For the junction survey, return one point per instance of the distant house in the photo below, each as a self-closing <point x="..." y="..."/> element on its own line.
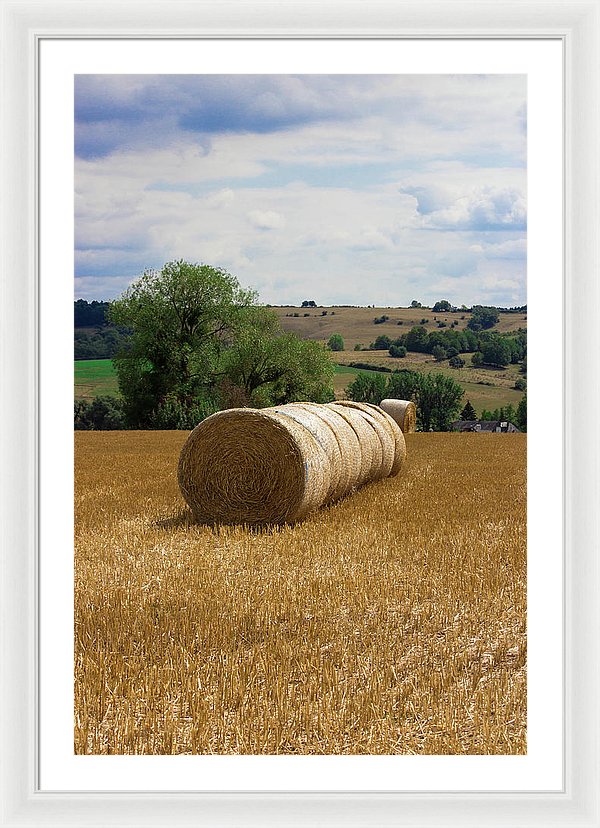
<point x="498" y="426"/>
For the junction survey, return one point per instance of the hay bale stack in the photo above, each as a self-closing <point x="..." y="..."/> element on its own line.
<point x="276" y="465"/>
<point x="403" y="412"/>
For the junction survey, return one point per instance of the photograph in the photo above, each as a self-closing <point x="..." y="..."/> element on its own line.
<point x="300" y="414"/>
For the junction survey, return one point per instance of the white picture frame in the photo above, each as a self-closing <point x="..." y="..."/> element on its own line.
<point x="23" y="24"/>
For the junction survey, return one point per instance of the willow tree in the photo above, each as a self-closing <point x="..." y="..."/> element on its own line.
<point x="272" y="367"/>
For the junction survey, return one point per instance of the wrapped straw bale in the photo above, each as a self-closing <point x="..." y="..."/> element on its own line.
<point x="323" y="434"/>
<point x="385" y="457"/>
<point x="348" y="446"/>
<point x="276" y="465"/>
<point x="369" y="447"/>
<point x="403" y="412"/>
<point x="393" y="443"/>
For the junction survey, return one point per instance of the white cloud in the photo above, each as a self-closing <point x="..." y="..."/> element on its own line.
<point x="484" y="208"/>
<point x="423" y="190"/>
<point x="266" y="219"/>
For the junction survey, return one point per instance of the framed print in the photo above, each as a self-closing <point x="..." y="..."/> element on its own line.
<point x="307" y="107"/>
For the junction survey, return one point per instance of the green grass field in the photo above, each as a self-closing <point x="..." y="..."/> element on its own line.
<point x="94" y="377"/>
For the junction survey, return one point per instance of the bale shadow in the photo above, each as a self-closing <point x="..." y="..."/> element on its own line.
<point x="185" y="520"/>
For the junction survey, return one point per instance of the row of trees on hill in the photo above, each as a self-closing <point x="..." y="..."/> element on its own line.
<point x="188" y="340"/>
<point x="487" y="347"/>
<point x="90" y="314"/>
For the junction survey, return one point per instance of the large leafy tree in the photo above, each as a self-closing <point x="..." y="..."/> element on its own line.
<point x="198" y="341"/>
<point x="416" y="339"/>
<point x="272" y="367"/>
<point x="438" y="399"/>
<point x="368" y="388"/>
<point x="402" y="385"/>
<point x="496" y="351"/>
<point x="180" y="319"/>
<point x="482" y="318"/>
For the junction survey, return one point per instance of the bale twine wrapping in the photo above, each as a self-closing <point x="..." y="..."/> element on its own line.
<point x="403" y="412"/>
<point x="276" y="465"/>
<point x="249" y="466"/>
<point x="388" y="449"/>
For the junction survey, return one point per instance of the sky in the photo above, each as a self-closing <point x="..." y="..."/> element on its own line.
<point x="340" y="189"/>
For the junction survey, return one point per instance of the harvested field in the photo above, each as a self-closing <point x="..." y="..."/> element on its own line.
<point x="392" y="622"/>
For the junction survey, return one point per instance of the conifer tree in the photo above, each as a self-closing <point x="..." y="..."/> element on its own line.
<point x="468" y="412"/>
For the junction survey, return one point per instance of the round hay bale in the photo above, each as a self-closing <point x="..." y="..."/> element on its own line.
<point x="386" y="441"/>
<point x="394" y="431"/>
<point x="403" y="412"/>
<point x="348" y="447"/>
<point x="324" y="436"/>
<point x="369" y="446"/>
<point x="252" y="467"/>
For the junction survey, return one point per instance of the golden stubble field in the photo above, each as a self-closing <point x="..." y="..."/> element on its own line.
<point x="393" y="622"/>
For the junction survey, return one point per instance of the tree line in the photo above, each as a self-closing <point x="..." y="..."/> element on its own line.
<point x="437" y="398"/>
<point x="487" y="347"/>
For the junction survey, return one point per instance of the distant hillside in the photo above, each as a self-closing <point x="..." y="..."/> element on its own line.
<point x="357" y="326"/>
<point x="487" y="387"/>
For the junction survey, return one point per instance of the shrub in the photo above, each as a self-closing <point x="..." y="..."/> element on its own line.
<point x="439" y="353"/>
<point x="379" y="320"/>
<point x="397" y="351"/>
<point x="172" y="413"/>
<point x="105" y="413"/>
<point x="520" y="384"/>
<point x="456" y="362"/>
<point x="335" y="342"/>
<point x="382" y="343"/>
